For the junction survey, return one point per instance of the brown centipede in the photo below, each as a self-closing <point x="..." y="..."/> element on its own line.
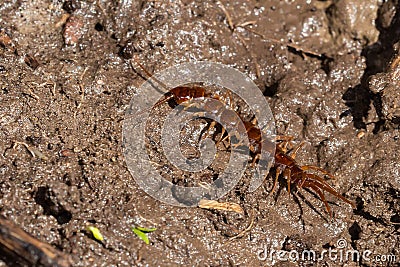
<point x="285" y="163"/>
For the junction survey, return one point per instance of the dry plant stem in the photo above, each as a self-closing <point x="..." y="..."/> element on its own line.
<point x="32" y="94"/>
<point x="227" y="15"/>
<point x="19" y="248"/>
<point x="34" y="151"/>
<point x="62" y="20"/>
<point x="81" y="87"/>
<point x="246" y="230"/>
<point x="212" y="204"/>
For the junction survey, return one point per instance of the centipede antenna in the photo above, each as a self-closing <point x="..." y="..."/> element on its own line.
<point x="167" y="98"/>
<point x="149" y="75"/>
<point x="141" y="66"/>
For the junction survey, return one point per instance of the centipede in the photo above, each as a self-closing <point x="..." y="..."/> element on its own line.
<point x="298" y="176"/>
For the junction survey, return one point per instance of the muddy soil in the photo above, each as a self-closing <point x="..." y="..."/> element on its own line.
<point x="329" y="70"/>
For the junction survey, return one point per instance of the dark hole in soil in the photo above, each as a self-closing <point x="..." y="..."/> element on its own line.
<point x="355" y="231"/>
<point x="44" y="198"/>
<point x="99" y="27"/>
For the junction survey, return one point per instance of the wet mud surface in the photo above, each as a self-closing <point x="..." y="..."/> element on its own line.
<point x="329" y="70"/>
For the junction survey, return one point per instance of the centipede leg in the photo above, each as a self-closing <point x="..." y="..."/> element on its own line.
<point x="187" y="106"/>
<point x="320" y="194"/>
<point x="255" y="158"/>
<point x="303" y="180"/>
<point x="286" y="140"/>
<point x="222" y="138"/>
<point x="316" y="168"/>
<point x="287" y="174"/>
<point x="293" y="154"/>
<point x="211" y="126"/>
<point x="228" y="95"/>
<point x="278" y="171"/>
<point x="318" y="181"/>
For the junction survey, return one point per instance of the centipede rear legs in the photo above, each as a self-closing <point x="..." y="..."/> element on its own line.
<point x="299" y="176"/>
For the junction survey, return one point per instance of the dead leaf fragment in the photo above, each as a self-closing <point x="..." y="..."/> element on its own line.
<point x="212" y="204"/>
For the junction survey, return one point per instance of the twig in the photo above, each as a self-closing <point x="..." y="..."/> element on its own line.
<point x="248" y="229"/>
<point x="212" y="204"/>
<point x="257" y="66"/>
<point x="32" y="94"/>
<point x="101" y="7"/>
<point x="18" y="248"/>
<point x="81" y="87"/>
<point x="227" y="15"/>
<point x="53" y="90"/>
<point x="246" y="23"/>
<point x="62" y="20"/>
<point x="34" y="151"/>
